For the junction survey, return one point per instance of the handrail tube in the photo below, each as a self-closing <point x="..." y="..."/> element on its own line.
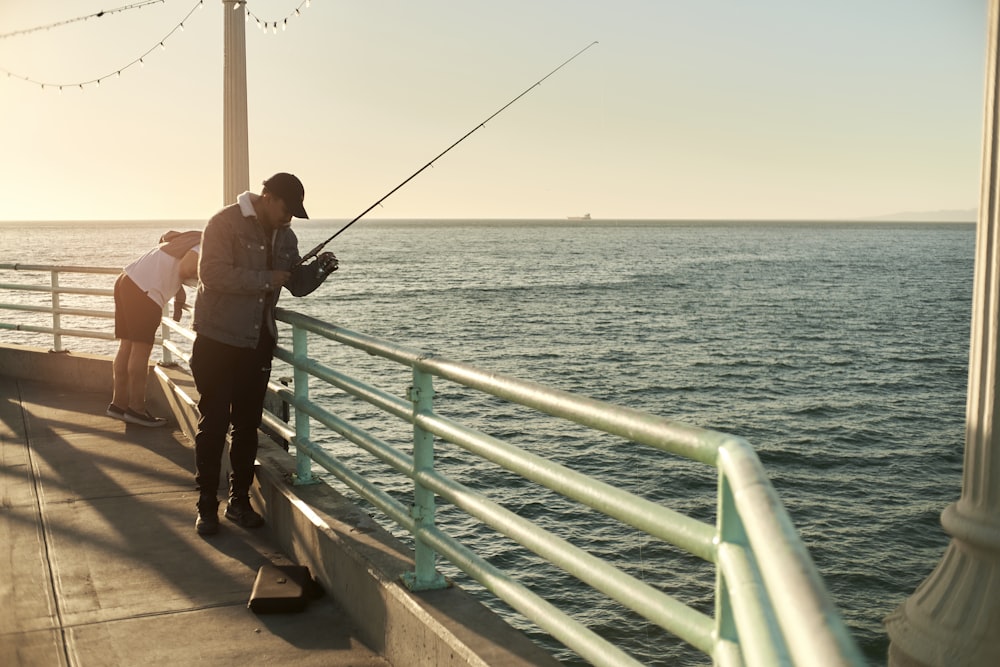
<point x="660" y="608"/>
<point x="368" y="344"/>
<point x="588" y="644"/>
<point x="59" y="289"/>
<point x="691" y="442"/>
<point x="561" y="626"/>
<point x="63" y="269"/>
<point x="676" y="528"/>
<point x="277" y="425"/>
<point x="406" y="356"/>
<point x="813" y="630"/>
<point x="760" y="639"/>
<point x="177" y="327"/>
<point x="174" y="349"/>
<point x="665" y="434"/>
<point x="383" y="400"/>
<point x="550" y="618"/>
<point x="657" y="606"/>
<point x="78" y="333"/>
<point x="389" y="455"/>
<point x="393" y="509"/>
<point x="63" y="311"/>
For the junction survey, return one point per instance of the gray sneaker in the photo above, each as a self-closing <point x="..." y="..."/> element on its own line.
<point x="142" y="418"/>
<point x="114" y="411"/>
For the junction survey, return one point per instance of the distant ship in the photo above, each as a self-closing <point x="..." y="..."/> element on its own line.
<point x="585" y="216"/>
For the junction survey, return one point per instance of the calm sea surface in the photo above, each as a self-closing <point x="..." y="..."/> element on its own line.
<point x="839" y="351"/>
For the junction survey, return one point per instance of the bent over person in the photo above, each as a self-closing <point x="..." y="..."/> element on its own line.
<point x="141" y="291"/>
<point x="248" y="253"/>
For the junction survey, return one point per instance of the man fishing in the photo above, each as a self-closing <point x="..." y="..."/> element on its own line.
<point x="248" y="253"/>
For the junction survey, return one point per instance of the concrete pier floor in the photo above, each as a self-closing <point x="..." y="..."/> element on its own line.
<point x="100" y="563"/>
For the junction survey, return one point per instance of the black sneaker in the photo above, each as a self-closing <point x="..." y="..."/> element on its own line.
<point x="207" y="522"/>
<point x="114" y="411"/>
<point x="142" y="418"/>
<point x="239" y="511"/>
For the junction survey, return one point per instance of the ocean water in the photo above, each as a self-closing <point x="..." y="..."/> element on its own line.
<point x="839" y="350"/>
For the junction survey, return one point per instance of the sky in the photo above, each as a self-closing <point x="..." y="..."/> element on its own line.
<point x="686" y="109"/>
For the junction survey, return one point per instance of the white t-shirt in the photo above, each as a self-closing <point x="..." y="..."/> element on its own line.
<point x="157" y="274"/>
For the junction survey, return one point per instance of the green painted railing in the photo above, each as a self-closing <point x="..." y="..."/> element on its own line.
<point x="771" y="607"/>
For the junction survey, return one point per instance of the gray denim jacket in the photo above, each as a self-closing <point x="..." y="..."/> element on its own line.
<point x="234" y="291"/>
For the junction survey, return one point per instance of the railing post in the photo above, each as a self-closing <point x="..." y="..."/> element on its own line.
<point x="165" y="353"/>
<point x="729" y="530"/>
<point x="425" y="577"/>
<point x="300" y="352"/>
<point x="56" y="320"/>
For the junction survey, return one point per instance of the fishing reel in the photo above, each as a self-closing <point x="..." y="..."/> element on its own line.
<point x="328" y="263"/>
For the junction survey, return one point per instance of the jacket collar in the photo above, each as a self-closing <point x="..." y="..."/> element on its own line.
<point x="246" y="206"/>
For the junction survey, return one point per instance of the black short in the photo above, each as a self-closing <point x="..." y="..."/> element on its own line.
<point x="136" y="315"/>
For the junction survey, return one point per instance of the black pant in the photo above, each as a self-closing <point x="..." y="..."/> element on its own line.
<point x="232" y="382"/>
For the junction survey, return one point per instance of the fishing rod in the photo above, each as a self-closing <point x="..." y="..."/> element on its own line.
<point x="315" y="251"/>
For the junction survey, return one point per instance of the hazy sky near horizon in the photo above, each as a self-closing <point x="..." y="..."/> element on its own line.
<point x="733" y="109"/>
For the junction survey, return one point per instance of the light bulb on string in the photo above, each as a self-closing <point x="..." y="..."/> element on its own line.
<point x="238" y="5"/>
<point x="284" y="25"/>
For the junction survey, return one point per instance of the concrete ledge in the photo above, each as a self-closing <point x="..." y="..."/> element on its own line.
<point x="357" y="561"/>
<point x="86" y="372"/>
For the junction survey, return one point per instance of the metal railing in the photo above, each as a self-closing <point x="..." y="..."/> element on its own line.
<point x="770" y="605"/>
<point x="55" y="290"/>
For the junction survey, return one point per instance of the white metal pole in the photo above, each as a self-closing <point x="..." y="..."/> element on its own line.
<point x="953" y="618"/>
<point x="235" y="135"/>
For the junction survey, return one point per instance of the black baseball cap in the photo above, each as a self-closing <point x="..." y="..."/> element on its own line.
<point x="289" y="189"/>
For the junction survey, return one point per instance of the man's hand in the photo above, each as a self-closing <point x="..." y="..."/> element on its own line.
<point x="327" y="263"/>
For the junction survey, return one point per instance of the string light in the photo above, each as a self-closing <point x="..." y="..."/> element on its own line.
<point x="140" y="61"/>
<point x="264" y="25"/>
<point x="118" y="72"/>
<point x="102" y="13"/>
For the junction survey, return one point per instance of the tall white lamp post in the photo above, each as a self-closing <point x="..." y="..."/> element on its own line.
<point x="953" y="618"/>
<point x="235" y="139"/>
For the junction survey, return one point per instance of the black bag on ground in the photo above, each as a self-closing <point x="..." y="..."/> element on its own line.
<point x="281" y="589"/>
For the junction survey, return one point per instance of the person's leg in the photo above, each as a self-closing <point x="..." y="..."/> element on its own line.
<point x="119" y="367"/>
<point x="248" y="405"/>
<point x="119" y="371"/>
<point x="213" y="366"/>
<point x="137" y="317"/>
<point x="138" y="369"/>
